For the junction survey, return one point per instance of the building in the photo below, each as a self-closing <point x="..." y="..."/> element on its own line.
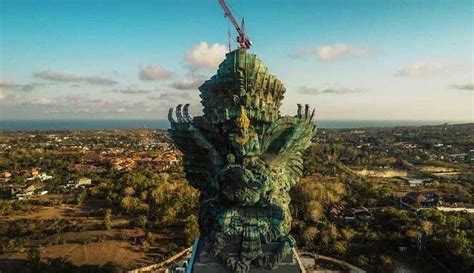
<point x="82" y="182"/>
<point x="416" y="182"/>
<point x="337" y="211"/>
<point x="418" y="200"/>
<point x="457" y="157"/>
<point x="44" y="176"/>
<point x="41" y="176"/>
<point x="34" y="172"/>
<point x="5" y="176"/>
<point x="24" y="192"/>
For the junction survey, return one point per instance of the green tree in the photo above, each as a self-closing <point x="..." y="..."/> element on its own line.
<point x="108" y="219"/>
<point x="191" y="228"/>
<point x="111" y="267"/>
<point x="141" y="221"/>
<point x="34" y="256"/>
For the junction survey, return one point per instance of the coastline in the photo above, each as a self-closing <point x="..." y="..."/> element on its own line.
<point x="8" y="125"/>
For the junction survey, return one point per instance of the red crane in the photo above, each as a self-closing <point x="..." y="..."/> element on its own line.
<point x="242" y="39"/>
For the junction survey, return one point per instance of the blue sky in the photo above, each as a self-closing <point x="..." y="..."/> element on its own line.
<point x="133" y="59"/>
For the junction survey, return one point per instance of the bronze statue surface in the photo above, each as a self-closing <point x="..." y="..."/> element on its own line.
<point x="244" y="158"/>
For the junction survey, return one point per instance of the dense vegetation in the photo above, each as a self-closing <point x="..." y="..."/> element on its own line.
<point x="154" y="200"/>
<point x="427" y="240"/>
<point x="392" y="238"/>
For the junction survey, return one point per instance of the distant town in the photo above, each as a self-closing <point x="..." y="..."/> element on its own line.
<point x="380" y="198"/>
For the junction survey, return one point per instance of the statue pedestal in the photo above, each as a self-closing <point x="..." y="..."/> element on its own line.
<point x="202" y="261"/>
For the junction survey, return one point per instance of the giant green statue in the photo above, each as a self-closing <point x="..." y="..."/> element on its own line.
<point x="244" y="157"/>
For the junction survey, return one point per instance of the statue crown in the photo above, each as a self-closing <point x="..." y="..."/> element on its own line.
<point x="242" y="81"/>
<point x="242" y="121"/>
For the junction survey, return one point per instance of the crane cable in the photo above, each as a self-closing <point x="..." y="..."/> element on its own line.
<point x="238" y="16"/>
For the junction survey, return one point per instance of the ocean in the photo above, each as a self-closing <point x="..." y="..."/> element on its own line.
<point x="92" y="124"/>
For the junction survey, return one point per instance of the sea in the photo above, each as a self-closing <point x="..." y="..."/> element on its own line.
<point x="104" y="124"/>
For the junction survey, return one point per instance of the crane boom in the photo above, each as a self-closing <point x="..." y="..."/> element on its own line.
<point x="242" y="39"/>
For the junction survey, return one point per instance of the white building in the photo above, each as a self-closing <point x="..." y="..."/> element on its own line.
<point x="83" y="182"/>
<point x="44" y="176"/>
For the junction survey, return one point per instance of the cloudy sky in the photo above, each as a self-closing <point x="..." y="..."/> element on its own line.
<point x="362" y="59"/>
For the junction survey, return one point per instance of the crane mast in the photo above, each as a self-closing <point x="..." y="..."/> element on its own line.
<point x="242" y="39"/>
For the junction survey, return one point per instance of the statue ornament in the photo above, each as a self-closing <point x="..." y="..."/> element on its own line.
<point x="243" y="157"/>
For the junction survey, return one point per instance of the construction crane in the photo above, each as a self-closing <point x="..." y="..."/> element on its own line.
<point x="242" y="39"/>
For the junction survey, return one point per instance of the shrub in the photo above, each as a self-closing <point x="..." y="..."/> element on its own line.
<point x="191" y="229"/>
<point x="108" y="219"/>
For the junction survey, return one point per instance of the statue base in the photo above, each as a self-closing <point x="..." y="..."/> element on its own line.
<point x="202" y="261"/>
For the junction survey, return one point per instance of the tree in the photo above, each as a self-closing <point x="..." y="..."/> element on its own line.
<point x="108" y="219"/>
<point x="191" y="228"/>
<point x="309" y="235"/>
<point x="34" y="257"/>
<point x="459" y="243"/>
<point x="142" y="220"/>
<point x="111" y="267"/>
<point x="81" y="197"/>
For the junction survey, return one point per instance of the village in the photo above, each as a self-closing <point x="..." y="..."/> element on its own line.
<point x="130" y="182"/>
<point x="97" y="153"/>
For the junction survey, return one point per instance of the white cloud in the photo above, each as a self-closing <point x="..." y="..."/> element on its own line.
<point x="81" y="100"/>
<point x="83" y="103"/>
<point x="149" y="72"/>
<point x="300" y="52"/>
<point x="203" y="55"/>
<point x="6" y="82"/>
<point x="428" y="68"/>
<point x="171" y="97"/>
<point x="133" y="90"/>
<point x="188" y="83"/>
<point x="98" y="80"/>
<point x="55" y="76"/>
<point x="467" y="86"/>
<point x="327" y="53"/>
<point x="43" y="102"/>
<point x="64" y="77"/>
<point x="335" y="51"/>
<point x="2" y="96"/>
<point x="329" y="89"/>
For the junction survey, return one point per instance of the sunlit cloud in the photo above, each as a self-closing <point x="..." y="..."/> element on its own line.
<point x="7" y="84"/>
<point x="467" y="86"/>
<point x="335" y="51"/>
<point x="332" y="52"/>
<point x="171" y="97"/>
<point x="82" y="100"/>
<point x="429" y="68"/>
<point x="41" y="102"/>
<point x="134" y="90"/>
<point x="329" y="89"/>
<point x="188" y="83"/>
<point x="56" y="76"/>
<point x="149" y="72"/>
<point x="64" y="77"/>
<point x="98" y="80"/>
<point x="203" y="55"/>
<point x="83" y="103"/>
<point x="300" y="52"/>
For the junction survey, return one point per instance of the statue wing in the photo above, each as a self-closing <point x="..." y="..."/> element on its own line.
<point x="200" y="157"/>
<point x="286" y="139"/>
